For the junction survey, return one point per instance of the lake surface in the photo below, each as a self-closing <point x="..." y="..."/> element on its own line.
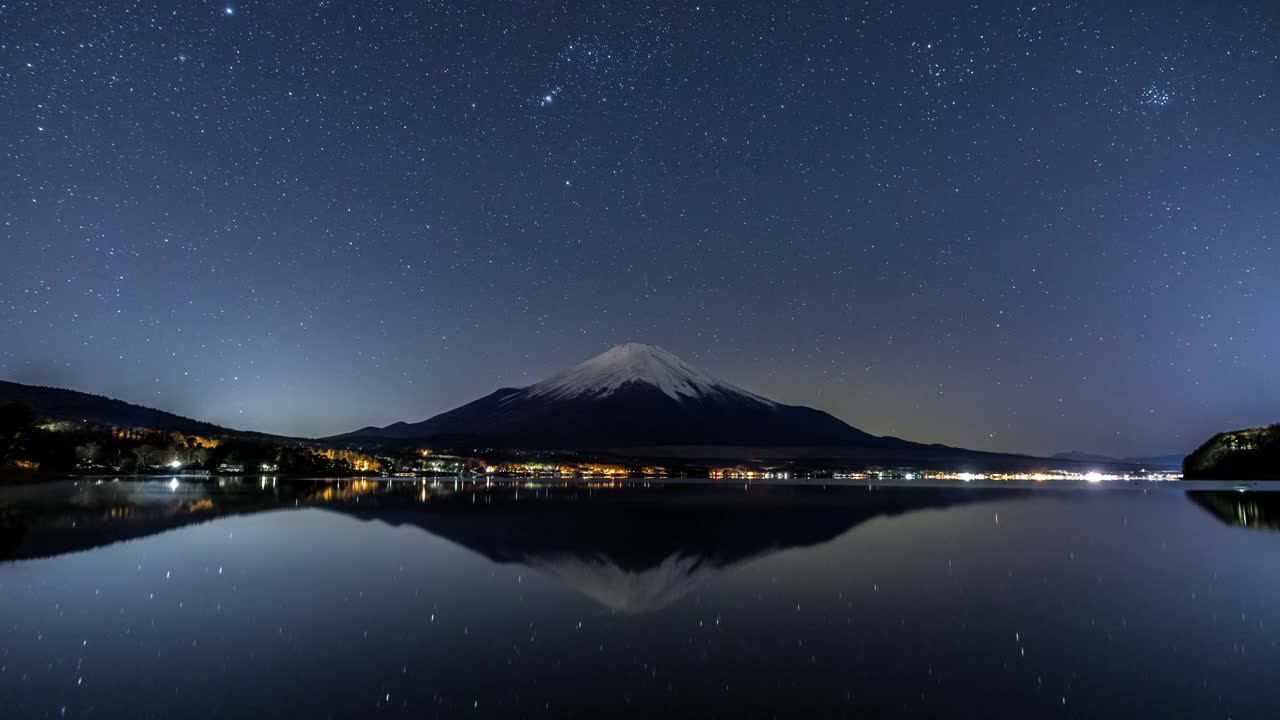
<point x="260" y="598"/>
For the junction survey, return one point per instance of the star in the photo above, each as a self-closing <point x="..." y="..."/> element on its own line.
<point x="703" y="163"/>
<point x="1156" y="96"/>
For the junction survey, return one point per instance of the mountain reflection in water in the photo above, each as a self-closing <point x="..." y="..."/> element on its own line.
<point x="633" y="548"/>
<point x="350" y="599"/>
<point x="640" y="549"/>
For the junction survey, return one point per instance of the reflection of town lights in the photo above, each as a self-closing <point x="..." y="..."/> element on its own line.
<point x="1093" y="476"/>
<point x="173" y="485"/>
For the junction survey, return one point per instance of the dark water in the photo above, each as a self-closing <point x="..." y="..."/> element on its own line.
<point x="346" y="599"/>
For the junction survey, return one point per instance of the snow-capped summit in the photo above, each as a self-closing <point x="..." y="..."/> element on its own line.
<point x="632" y="395"/>
<point x="606" y="373"/>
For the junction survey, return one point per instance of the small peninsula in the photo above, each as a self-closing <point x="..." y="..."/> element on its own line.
<point x="1252" y="454"/>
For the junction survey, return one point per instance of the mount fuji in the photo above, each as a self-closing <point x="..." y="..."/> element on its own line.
<point x="633" y="395"/>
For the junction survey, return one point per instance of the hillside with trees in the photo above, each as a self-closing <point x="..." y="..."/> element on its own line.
<point x="1252" y="454"/>
<point x="35" y="447"/>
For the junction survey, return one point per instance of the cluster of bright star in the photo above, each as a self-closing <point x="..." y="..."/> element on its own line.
<point x="1155" y="96"/>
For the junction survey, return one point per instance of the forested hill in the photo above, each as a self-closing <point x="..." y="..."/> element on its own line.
<point x="1252" y="454"/>
<point x="59" y="404"/>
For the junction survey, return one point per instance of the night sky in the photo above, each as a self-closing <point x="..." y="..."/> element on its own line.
<point x="1012" y="226"/>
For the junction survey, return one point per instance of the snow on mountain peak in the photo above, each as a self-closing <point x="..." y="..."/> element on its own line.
<point x="636" y="362"/>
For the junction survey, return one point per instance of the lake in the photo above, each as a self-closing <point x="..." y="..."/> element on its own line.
<point x="265" y="598"/>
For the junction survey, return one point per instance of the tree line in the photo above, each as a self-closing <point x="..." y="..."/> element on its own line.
<point x="27" y="443"/>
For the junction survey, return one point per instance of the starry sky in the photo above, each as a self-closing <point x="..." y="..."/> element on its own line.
<point x="1011" y="226"/>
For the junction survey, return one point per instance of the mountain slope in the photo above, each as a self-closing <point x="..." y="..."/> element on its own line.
<point x="633" y="395"/>
<point x="59" y="404"/>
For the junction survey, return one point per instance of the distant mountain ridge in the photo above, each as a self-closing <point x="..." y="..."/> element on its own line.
<point x="1162" y="462"/>
<point x="72" y="405"/>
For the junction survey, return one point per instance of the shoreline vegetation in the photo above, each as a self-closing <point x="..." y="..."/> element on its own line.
<point x="1252" y="454"/>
